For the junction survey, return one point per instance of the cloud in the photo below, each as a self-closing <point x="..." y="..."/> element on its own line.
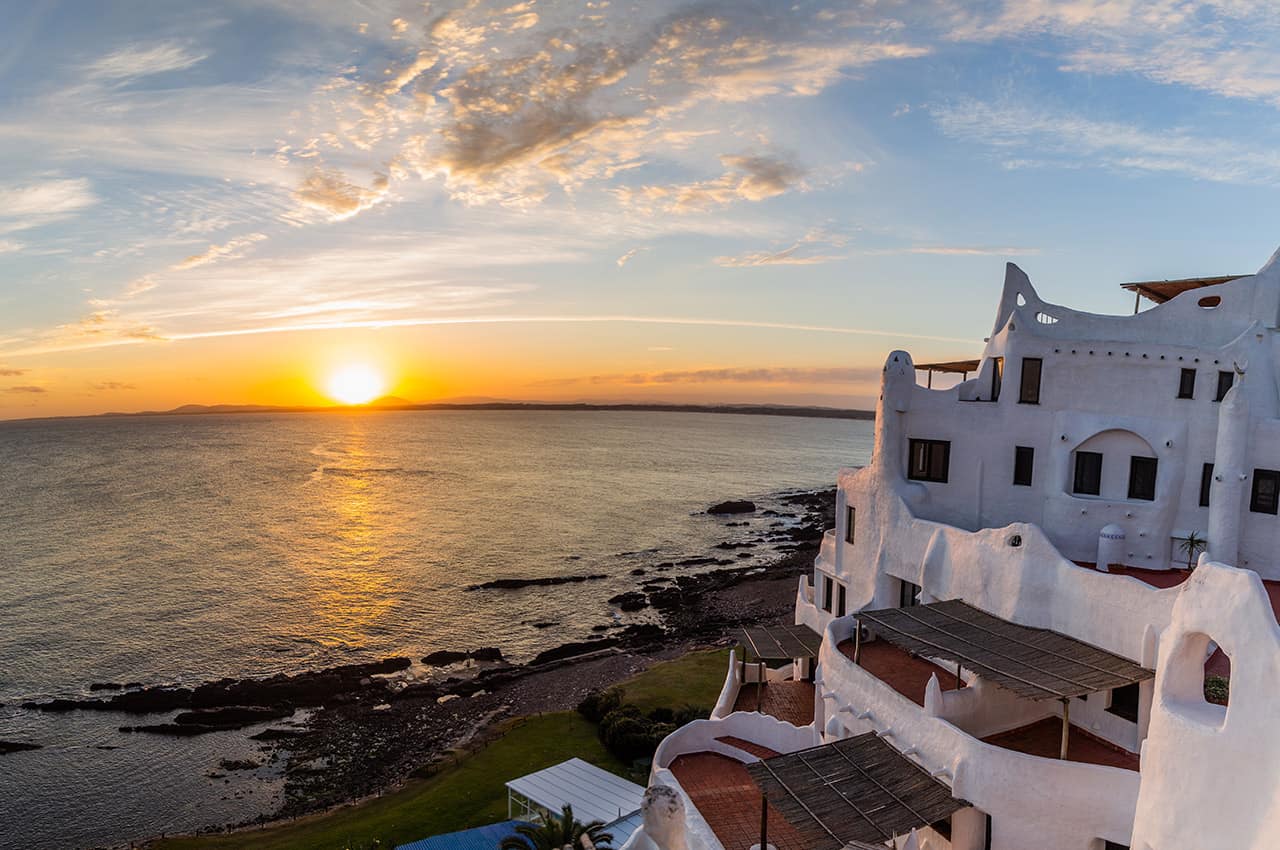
<point x="228" y="250"/>
<point x="142" y="60"/>
<point x="774" y="375"/>
<point x="749" y="178"/>
<point x="10" y="246"/>
<point x="9" y="372"/>
<point x="330" y="192"/>
<point x="622" y="261"/>
<point x="106" y="326"/>
<point x="785" y="257"/>
<point x="29" y="205"/>
<point x="112" y="385"/>
<point x="29" y="389"/>
<point x="1058" y="137"/>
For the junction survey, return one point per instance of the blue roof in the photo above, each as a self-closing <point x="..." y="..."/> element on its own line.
<point x="480" y="838"/>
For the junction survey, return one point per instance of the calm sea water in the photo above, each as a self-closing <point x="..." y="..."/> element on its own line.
<point x="181" y="549"/>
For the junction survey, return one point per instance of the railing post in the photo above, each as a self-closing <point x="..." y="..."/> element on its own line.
<point x="1066" y="725"/>
<point x="857" y="639"/>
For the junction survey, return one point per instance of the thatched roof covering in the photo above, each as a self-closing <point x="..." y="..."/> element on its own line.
<point x="776" y="643"/>
<point x="1033" y="663"/>
<point x="856" y="790"/>
<point x="1161" y="291"/>
<point x="956" y="367"/>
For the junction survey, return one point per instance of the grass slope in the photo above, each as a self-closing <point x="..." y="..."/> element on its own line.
<point x="473" y="793"/>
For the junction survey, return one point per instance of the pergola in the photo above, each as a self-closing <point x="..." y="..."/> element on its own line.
<point x="1160" y="291"/>
<point x="949" y="367"/>
<point x="1036" y="664"/>
<point x="777" y="643"/>
<point x="858" y="792"/>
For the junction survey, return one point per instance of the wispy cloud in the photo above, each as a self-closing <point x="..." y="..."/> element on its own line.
<point x="748" y="178"/>
<point x="338" y="198"/>
<point x="731" y="375"/>
<point x="785" y="257"/>
<point x="138" y="60"/>
<point x="112" y="386"/>
<point x="622" y="261"/>
<point x="228" y="250"/>
<point x="9" y="372"/>
<point x="1059" y="137"/>
<point x="45" y="201"/>
<point x="29" y="389"/>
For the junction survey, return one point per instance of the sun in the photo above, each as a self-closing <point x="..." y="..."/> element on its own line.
<point x="355" y="384"/>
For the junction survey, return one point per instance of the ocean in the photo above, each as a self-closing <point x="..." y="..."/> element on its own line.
<point x="183" y="549"/>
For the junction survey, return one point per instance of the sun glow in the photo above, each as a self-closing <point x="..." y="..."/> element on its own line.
<point x="355" y="384"/>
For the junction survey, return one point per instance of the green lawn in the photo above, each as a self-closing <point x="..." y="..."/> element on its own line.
<point x="692" y="679"/>
<point x="473" y="793"/>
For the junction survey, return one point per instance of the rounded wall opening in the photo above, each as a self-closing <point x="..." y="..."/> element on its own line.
<point x="1197" y="679"/>
<point x="1209" y="301"/>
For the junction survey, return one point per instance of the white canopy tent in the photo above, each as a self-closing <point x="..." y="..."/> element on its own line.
<point x="594" y="793"/>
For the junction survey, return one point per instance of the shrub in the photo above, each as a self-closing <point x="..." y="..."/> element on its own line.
<point x="596" y="704"/>
<point x="1217" y="689"/>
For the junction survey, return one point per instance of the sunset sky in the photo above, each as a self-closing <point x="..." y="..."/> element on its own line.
<point x="227" y="202"/>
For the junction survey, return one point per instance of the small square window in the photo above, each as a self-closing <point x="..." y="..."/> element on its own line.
<point x="1187" y="384"/>
<point x="929" y="460"/>
<point x="1023" y="463"/>
<point x="1124" y="703"/>
<point x="850" y="515"/>
<point x="1029" y="391"/>
<point x="1206" y="484"/>
<point x="1225" y="380"/>
<point x="1088" y="480"/>
<point x="1142" y="478"/>
<point x="1266" y="492"/>
<point x="908" y="594"/>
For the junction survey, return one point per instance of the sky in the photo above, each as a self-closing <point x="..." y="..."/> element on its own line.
<point x="227" y="202"/>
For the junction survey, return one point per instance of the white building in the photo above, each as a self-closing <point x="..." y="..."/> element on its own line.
<point x="1054" y="488"/>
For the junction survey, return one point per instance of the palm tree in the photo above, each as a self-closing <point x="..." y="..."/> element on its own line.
<point x="1193" y="545"/>
<point x="558" y="832"/>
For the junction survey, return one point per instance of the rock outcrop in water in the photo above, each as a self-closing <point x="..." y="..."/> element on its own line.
<point x="7" y="747"/>
<point x="517" y="583"/>
<point x="733" y="506"/>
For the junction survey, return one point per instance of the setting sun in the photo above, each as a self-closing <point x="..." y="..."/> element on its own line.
<point x="355" y="384"/>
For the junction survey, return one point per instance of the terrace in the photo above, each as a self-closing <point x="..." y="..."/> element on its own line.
<point x="1044" y="738"/>
<point x="729" y="801"/>
<point x="906" y="673"/>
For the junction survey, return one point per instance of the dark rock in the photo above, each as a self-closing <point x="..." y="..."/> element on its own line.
<point x="105" y="686"/>
<point x="735" y="545"/>
<point x="545" y="625"/>
<point x="231" y="717"/>
<point x="516" y="583"/>
<point x="569" y="650"/>
<point x="443" y="657"/>
<point x="487" y="653"/>
<point x="277" y="734"/>
<point x="7" y="747"/>
<point x="600" y="628"/>
<point x="744" y="555"/>
<point x="740" y="506"/>
<point x="638" y="571"/>
<point x="632" y="600"/>
<point x="238" y="764"/>
<point x="695" y="562"/>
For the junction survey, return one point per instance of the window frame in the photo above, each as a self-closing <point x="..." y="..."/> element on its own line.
<point x="926" y="474"/>
<point x="1206" y="484"/>
<point x="908" y="593"/>
<point x="1076" y="488"/>
<point x="1025" y="397"/>
<point x="1187" y="389"/>
<point x="850" y="523"/>
<point x="1024" y="461"/>
<point x="1230" y="379"/>
<point x="1255" y="504"/>
<point x="1136" y="462"/>
<point x="828" y="592"/>
<point x="1123" y="711"/>
<point x="997" y="378"/>
<point x="842" y="599"/>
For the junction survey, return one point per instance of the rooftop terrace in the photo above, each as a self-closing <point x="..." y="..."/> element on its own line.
<point x="1044" y="737"/>
<point x="905" y="673"/>
<point x="727" y="797"/>
<point x="790" y="701"/>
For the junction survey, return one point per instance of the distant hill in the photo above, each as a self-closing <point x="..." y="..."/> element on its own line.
<point x="395" y="403"/>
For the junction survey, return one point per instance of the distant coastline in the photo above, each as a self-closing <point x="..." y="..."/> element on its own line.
<point x="399" y="404"/>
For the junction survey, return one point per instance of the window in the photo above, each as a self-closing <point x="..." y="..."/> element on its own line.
<point x="841" y="600"/>
<point x="1088" y="480"/>
<point x="850" y="514"/>
<point x="1225" y="380"/>
<point x="1142" y="478"/>
<point x="1023" y="460"/>
<point x="1114" y="845"/>
<point x="827" y="586"/>
<point x="986" y="842"/>
<point x="907" y="594"/>
<point x="929" y="460"/>
<point x="997" y="377"/>
<point x="1029" y="392"/>
<point x="1187" y="384"/>
<point x="1124" y="703"/>
<point x="942" y="827"/>
<point x="1266" y="489"/>
<point x="1206" y="482"/>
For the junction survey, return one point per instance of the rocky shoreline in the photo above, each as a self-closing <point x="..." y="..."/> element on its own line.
<point x="372" y="726"/>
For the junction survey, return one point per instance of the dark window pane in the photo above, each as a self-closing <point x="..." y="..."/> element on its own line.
<point x="997" y="378"/>
<point x="1187" y="384"/>
<point x="907" y="594"/>
<point x="1206" y="483"/>
<point x="1225" y="380"/>
<point x="1023" y="462"/>
<point x="1142" y="478"/>
<point x="1124" y="703"/>
<point x="1030" y="392"/>
<point x="841" y="600"/>
<point x="1088" y="480"/>
<point x="850" y="515"/>
<point x="929" y="460"/>
<point x="1266" y="489"/>
<point x="827" y="586"/>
